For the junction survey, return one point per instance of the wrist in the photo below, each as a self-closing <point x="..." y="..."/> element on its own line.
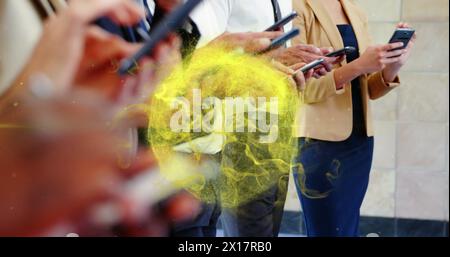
<point x="389" y="74"/>
<point x="358" y="68"/>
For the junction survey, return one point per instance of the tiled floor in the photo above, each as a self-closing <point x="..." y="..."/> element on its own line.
<point x="220" y="234"/>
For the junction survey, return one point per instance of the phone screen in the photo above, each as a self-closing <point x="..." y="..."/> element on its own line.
<point x="402" y="35"/>
<point x="312" y="65"/>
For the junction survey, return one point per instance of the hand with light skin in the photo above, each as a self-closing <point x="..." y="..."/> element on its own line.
<point x="72" y="52"/>
<point x="376" y="58"/>
<point x="66" y="39"/>
<point x="59" y="160"/>
<point x="391" y="70"/>
<point x="250" y="42"/>
<point x="254" y="42"/>
<point x="296" y="78"/>
<point x="71" y="167"/>
<point x="305" y="54"/>
<point x="168" y="5"/>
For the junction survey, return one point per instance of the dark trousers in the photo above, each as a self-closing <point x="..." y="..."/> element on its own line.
<point x="259" y="218"/>
<point x="204" y="225"/>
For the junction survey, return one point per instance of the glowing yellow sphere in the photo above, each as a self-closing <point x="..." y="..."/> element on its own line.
<point x="221" y="125"/>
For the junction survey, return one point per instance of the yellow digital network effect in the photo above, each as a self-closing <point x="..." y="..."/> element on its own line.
<point x="213" y="148"/>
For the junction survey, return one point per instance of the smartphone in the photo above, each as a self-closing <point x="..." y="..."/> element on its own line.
<point x="277" y="42"/>
<point x="312" y="65"/>
<point x="281" y="23"/>
<point x="344" y="51"/>
<point x="402" y="35"/>
<point x="170" y="23"/>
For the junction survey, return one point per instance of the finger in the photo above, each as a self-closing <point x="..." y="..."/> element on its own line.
<point x="394" y="53"/>
<point x="392" y="46"/>
<point x="414" y="38"/>
<point x="309" y="75"/>
<point x="391" y="60"/>
<point x="182" y="207"/>
<point x="311" y="49"/>
<point x="308" y="57"/>
<point x="168" y="5"/>
<point x="123" y="11"/>
<point x="126" y="13"/>
<point x="328" y="65"/>
<point x="297" y="66"/>
<point x="144" y="161"/>
<point x="257" y="45"/>
<point x="266" y="34"/>
<point x="403" y="25"/>
<point x="283" y="68"/>
<point x="161" y="52"/>
<point x="300" y="80"/>
<point x="174" y="40"/>
<point x="322" y="72"/>
<point x="326" y="50"/>
<point x="292" y="82"/>
<point x="117" y="47"/>
<point x="341" y="59"/>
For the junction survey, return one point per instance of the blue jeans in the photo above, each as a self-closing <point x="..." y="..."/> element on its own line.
<point x="331" y="182"/>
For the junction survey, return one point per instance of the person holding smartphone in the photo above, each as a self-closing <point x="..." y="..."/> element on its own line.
<point x="57" y="89"/>
<point x="334" y="127"/>
<point x="234" y="21"/>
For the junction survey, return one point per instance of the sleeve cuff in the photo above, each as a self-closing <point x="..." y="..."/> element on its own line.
<point x="334" y="88"/>
<point x="392" y="84"/>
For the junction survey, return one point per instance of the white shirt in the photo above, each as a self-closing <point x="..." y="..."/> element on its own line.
<point x="151" y="6"/>
<point x="214" y="17"/>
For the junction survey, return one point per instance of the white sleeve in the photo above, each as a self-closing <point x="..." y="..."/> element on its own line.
<point x="211" y="18"/>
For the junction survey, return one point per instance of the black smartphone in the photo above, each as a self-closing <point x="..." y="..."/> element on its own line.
<point x="343" y="51"/>
<point x="277" y="42"/>
<point x="170" y="23"/>
<point x="312" y="65"/>
<point x="281" y="23"/>
<point x="402" y="35"/>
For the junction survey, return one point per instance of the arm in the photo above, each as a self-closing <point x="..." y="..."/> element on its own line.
<point x="64" y="42"/>
<point x="316" y="89"/>
<point x="383" y="82"/>
<point x="373" y="61"/>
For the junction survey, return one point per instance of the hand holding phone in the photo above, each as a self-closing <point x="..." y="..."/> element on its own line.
<point x="277" y="42"/>
<point x="344" y="51"/>
<point x="403" y="35"/>
<point x="170" y="23"/>
<point x="312" y="65"/>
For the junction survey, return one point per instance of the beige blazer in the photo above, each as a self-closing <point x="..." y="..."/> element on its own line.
<point x="326" y="113"/>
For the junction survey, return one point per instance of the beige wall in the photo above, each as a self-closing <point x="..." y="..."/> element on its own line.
<point x="19" y="30"/>
<point x="410" y="177"/>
